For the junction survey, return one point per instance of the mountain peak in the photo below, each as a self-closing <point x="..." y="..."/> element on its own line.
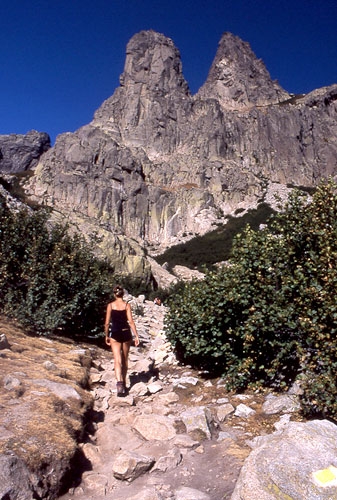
<point x="152" y="59"/>
<point x="238" y="79"/>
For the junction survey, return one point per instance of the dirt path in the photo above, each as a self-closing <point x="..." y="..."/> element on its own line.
<point x="184" y="432"/>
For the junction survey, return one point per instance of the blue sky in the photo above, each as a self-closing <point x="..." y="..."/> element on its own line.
<point x="61" y="59"/>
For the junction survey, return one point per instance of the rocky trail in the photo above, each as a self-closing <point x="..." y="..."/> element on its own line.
<point x="176" y="434"/>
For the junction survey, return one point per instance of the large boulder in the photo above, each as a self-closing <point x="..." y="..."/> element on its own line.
<point x="298" y="462"/>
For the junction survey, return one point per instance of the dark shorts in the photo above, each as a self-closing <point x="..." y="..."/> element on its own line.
<point x="121" y="336"/>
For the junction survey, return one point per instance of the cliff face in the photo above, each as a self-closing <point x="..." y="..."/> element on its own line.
<point x="157" y="163"/>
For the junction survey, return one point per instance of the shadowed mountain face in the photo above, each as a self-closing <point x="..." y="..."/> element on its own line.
<point x="22" y="152"/>
<point x="157" y="163"/>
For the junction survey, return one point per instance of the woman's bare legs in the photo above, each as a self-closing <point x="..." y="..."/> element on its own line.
<point x="125" y="360"/>
<point x="120" y="353"/>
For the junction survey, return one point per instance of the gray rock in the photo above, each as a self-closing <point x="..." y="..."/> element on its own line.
<point x="243" y="411"/>
<point x="186" y="493"/>
<point x="15" y="479"/>
<point x="92" y="453"/>
<point x="224" y="411"/>
<point x="3" y="342"/>
<point x="63" y="391"/>
<point x="168" y="398"/>
<point x="22" y="152"/>
<point x="11" y="383"/>
<point x="237" y="79"/>
<point x="129" y="465"/>
<point x="145" y="494"/>
<point x="286" y="403"/>
<point x="168" y="462"/>
<point x="154" y="387"/>
<point x="48" y="365"/>
<point x="97" y="483"/>
<point x="155" y="427"/>
<point x="286" y="464"/>
<point x="182" y="381"/>
<point x="197" y="419"/>
<point x="139" y="389"/>
<point x="185" y="441"/>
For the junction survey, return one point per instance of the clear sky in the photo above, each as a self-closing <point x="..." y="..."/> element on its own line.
<point x="60" y="59"/>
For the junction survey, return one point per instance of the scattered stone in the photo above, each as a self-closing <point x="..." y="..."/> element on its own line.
<point x="129" y="465"/>
<point x="154" y="388"/>
<point x="96" y="482"/>
<point x="155" y="427"/>
<point x="244" y="411"/>
<point x="197" y="419"/>
<point x="63" y="391"/>
<point x="115" y="401"/>
<point x="185" y="493"/>
<point x="11" y="383"/>
<point x="282" y="423"/>
<point x="296" y="389"/>
<point x="222" y="401"/>
<point x="50" y="366"/>
<point x="140" y="389"/>
<point x="95" y="378"/>
<point x="168" y="398"/>
<point x="284" y="403"/>
<point x="200" y="449"/>
<point x="3" y="342"/>
<point x="185" y="441"/>
<point x="168" y="462"/>
<point x="186" y="381"/>
<point x="224" y="435"/>
<point x="224" y="411"/>
<point x="164" y="428"/>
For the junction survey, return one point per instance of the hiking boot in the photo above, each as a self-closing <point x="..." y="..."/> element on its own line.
<point x="120" y="389"/>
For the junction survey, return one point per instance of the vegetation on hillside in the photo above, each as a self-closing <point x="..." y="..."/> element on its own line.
<point x="270" y="317"/>
<point x="49" y="280"/>
<point x="204" y="251"/>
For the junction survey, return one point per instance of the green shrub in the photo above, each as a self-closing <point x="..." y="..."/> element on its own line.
<point x="50" y="281"/>
<point x="270" y="317"/>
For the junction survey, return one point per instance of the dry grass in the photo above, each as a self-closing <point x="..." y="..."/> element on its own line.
<point x="38" y="422"/>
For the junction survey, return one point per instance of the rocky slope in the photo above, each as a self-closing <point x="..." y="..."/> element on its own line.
<point x="44" y="402"/>
<point x="157" y="165"/>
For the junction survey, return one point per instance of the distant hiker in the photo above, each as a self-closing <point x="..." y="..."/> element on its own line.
<point x="119" y="326"/>
<point x="157" y="301"/>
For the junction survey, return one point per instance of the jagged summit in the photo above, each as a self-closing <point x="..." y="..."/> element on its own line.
<point x="153" y="60"/>
<point x="153" y="93"/>
<point x="237" y="78"/>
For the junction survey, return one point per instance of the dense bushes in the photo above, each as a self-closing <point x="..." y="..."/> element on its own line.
<point x="270" y="317"/>
<point x="49" y="280"/>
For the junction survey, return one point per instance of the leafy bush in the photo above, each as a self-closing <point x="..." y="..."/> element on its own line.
<point x="270" y="317"/>
<point x="50" y="281"/>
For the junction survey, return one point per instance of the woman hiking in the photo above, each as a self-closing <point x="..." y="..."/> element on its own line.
<point x="118" y="327"/>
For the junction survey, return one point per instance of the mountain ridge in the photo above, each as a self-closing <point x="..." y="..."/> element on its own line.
<point x="157" y="164"/>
